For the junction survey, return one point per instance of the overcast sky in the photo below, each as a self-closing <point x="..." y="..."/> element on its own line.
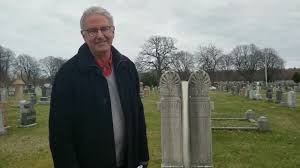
<point x="42" y="28"/>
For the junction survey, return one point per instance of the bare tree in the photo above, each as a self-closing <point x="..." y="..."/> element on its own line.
<point x="28" y="68"/>
<point x="226" y="62"/>
<point x="155" y="54"/>
<point x="273" y="62"/>
<point x="50" y="66"/>
<point x="6" y="58"/>
<point x="247" y="60"/>
<point x="183" y="63"/>
<point x="208" y="59"/>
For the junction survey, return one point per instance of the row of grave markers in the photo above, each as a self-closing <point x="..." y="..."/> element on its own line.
<point x="27" y="110"/>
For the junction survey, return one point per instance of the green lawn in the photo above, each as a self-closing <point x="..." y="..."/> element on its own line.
<point x="28" y="147"/>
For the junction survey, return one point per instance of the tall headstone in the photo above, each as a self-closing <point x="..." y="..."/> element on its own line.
<point x="269" y="94"/>
<point x="278" y="95"/>
<point x="19" y="85"/>
<point x="171" y="120"/>
<point x="38" y="91"/>
<point x="284" y="99"/>
<point x="141" y="90"/>
<point x="147" y="91"/>
<point x="200" y="120"/>
<point x="258" y="95"/>
<point x="3" y="94"/>
<point x="2" y="128"/>
<point x="3" y="107"/>
<point x="291" y="99"/>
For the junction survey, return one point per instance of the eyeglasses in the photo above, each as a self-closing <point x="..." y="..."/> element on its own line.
<point x="92" y="32"/>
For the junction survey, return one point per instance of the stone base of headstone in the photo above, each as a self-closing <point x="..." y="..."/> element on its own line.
<point x="44" y="100"/>
<point x="27" y="126"/>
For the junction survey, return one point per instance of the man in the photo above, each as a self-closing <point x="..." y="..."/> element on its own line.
<point x="96" y="115"/>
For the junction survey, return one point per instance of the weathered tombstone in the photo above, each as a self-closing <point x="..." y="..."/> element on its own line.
<point x="19" y="84"/>
<point x="3" y="94"/>
<point x="284" y="99"/>
<point x="200" y="120"/>
<point x="2" y="128"/>
<point x="263" y="124"/>
<point x="250" y="115"/>
<point x="291" y="99"/>
<point x="45" y="99"/>
<point x="38" y="91"/>
<point x="3" y="107"/>
<point x="242" y="91"/>
<point x="30" y="89"/>
<point x="147" y="91"/>
<point x="278" y="95"/>
<point x="141" y="90"/>
<point x="269" y="94"/>
<point x="258" y="95"/>
<point x="48" y="87"/>
<point x="27" y="114"/>
<point x="252" y="94"/>
<point x="171" y="120"/>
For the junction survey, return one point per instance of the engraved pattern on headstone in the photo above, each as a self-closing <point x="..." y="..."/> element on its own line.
<point x="171" y="120"/>
<point x="200" y="120"/>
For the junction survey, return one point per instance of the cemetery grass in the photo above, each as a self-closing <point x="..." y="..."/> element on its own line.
<point x="28" y="147"/>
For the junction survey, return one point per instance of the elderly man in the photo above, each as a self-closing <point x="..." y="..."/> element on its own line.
<point x="96" y="115"/>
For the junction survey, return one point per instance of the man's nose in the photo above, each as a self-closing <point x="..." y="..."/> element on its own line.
<point x="99" y="33"/>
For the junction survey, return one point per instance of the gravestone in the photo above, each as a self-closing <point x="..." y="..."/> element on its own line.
<point x="3" y="107"/>
<point x="250" y="115"/>
<point x="46" y="93"/>
<point x="242" y="91"/>
<point x="284" y="99"/>
<point x="146" y="91"/>
<point x="19" y="84"/>
<point x="38" y="91"/>
<point x="171" y="120"/>
<point x="258" y="95"/>
<point x="252" y="94"/>
<point x="3" y="94"/>
<point x="11" y="91"/>
<point x="27" y="114"/>
<point x="263" y="124"/>
<point x="269" y="94"/>
<point x="200" y="120"/>
<point x="291" y="99"/>
<point x="141" y="90"/>
<point x="48" y="87"/>
<point x="278" y="95"/>
<point x="2" y="128"/>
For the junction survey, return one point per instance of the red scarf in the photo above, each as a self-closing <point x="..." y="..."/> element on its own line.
<point x="106" y="68"/>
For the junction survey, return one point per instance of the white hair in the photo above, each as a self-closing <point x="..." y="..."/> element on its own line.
<point x="95" y="10"/>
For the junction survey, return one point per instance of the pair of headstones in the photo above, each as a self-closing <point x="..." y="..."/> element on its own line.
<point x="185" y="121"/>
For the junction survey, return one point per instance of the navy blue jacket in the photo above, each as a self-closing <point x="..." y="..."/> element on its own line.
<point x="80" y="121"/>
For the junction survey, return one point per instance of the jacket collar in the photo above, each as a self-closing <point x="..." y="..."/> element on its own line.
<point x="87" y="61"/>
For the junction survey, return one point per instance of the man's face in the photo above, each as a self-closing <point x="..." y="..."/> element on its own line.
<point x="98" y="41"/>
